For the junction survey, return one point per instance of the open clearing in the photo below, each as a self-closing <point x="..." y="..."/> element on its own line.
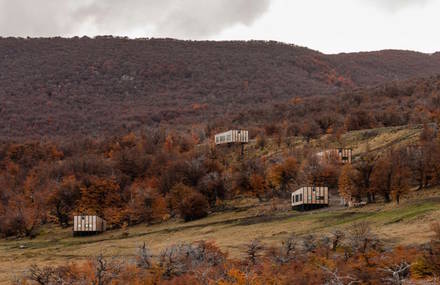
<point x="407" y="223"/>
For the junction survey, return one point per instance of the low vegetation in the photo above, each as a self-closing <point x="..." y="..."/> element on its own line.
<point x="354" y="251"/>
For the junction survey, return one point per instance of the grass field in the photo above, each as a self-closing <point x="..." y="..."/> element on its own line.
<point x="408" y="223"/>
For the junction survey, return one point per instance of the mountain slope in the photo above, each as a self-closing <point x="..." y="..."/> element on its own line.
<point x="65" y="87"/>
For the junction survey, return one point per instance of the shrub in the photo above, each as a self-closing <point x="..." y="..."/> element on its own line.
<point x="193" y="207"/>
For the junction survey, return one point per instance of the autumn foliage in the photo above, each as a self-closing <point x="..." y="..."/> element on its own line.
<point x="148" y="178"/>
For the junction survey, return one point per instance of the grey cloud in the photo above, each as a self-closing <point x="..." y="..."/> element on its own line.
<point x="173" y="18"/>
<point x="23" y="17"/>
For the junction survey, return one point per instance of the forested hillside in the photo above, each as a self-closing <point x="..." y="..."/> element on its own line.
<point x="81" y="86"/>
<point x="123" y="129"/>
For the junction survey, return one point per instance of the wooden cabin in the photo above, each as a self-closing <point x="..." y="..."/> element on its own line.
<point x="88" y="225"/>
<point x="310" y="198"/>
<point x="343" y="155"/>
<point x="232" y="136"/>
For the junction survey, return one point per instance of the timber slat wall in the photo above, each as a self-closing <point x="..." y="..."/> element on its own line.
<point x="343" y="155"/>
<point x="232" y="136"/>
<point x="310" y="195"/>
<point x="88" y="224"/>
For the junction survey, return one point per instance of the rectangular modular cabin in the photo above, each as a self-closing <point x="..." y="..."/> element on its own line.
<point x="309" y="198"/>
<point x="88" y="225"/>
<point x="232" y="136"/>
<point x="343" y="155"/>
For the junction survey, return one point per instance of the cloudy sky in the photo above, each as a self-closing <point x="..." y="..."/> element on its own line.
<point x="330" y="26"/>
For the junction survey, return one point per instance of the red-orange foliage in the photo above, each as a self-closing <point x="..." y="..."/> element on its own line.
<point x="193" y="206"/>
<point x="102" y="196"/>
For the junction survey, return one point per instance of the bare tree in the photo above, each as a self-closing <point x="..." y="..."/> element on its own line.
<point x="309" y="243"/>
<point x="144" y="257"/>
<point x="183" y="258"/>
<point x="253" y="251"/>
<point x="41" y="275"/>
<point x="284" y="253"/>
<point x="397" y="273"/>
<point x="168" y="260"/>
<point x="105" y="270"/>
<point x="336" y="238"/>
<point x="361" y="236"/>
<point x="335" y="278"/>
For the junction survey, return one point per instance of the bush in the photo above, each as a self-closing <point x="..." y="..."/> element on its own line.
<point x="177" y="195"/>
<point x="193" y="207"/>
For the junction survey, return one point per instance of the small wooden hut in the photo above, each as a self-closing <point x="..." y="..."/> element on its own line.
<point x="310" y="198"/>
<point x="88" y="225"/>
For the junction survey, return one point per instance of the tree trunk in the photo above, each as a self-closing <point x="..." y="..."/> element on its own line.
<point x="387" y="197"/>
<point x="369" y="198"/>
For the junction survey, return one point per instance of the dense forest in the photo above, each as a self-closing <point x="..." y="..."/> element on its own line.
<point x="106" y="86"/>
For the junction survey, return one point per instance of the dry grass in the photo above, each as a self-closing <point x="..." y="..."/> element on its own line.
<point x="376" y="140"/>
<point x="405" y="224"/>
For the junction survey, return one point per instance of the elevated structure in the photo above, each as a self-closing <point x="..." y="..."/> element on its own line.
<point x="88" y="225"/>
<point x="232" y="137"/>
<point x="309" y="198"/>
<point x="343" y="155"/>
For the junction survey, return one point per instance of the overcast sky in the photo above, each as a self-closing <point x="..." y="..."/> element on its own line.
<point x="330" y="26"/>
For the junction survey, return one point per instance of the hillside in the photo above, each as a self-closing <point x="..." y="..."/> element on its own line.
<point x="67" y="87"/>
<point x="270" y="221"/>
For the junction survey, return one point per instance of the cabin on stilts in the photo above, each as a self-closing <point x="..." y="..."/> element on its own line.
<point x="310" y="198"/>
<point x="233" y="137"/>
<point x="85" y="225"/>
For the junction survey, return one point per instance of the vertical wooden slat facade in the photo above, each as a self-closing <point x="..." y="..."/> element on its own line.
<point x="86" y="224"/>
<point x="343" y="155"/>
<point x="232" y="136"/>
<point x="310" y="197"/>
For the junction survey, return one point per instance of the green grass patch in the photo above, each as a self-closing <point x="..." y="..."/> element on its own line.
<point x="406" y="213"/>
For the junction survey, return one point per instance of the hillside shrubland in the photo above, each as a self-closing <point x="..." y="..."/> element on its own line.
<point x="111" y="86"/>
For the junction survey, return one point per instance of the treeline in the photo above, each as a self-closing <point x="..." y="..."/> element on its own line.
<point x="138" y="178"/>
<point x="154" y="176"/>
<point x="392" y="104"/>
<point x="106" y="86"/>
<point x="394" y="172"/>
<point x="356" y="256"/>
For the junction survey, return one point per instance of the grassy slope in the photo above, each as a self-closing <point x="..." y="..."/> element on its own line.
<point x="376" y="140"/>
<point x="407" y="223"/>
